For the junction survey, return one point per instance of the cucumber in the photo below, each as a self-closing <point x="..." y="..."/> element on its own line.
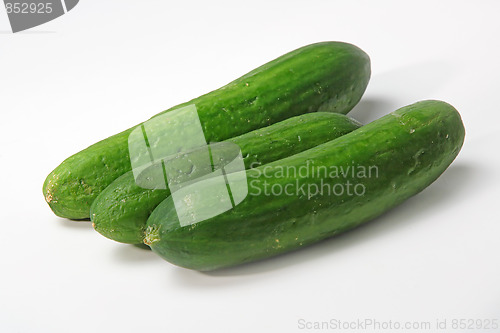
<point x="328" y="76"/>
<point x="393" y="158"/>
<point x="120" y="211"/>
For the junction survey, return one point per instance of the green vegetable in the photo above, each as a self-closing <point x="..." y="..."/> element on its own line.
<point x="120" y="212"/>
<point x="368" y="171"/>
<point x="328" y="76"/>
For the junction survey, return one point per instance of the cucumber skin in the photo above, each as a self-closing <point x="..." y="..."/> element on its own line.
<point x="327" y="76"/>
<point x="411" y="147"/>
<point x="120" y="212"/>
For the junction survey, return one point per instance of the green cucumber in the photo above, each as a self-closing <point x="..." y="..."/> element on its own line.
<point x="120" y="211"/>
<point x="386" y="162"/>
<point x="328" y="76"/>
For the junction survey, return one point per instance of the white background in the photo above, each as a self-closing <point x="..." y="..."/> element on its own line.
<point x="108" y="65"/>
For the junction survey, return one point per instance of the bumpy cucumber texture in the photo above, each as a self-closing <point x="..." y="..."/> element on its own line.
<point x="328" y="76"/>
<point x="315" y="194"/>
<point x="120" y="212"/>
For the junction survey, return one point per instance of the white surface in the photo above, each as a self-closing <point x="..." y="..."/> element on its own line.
<point x="108" y="65"/>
